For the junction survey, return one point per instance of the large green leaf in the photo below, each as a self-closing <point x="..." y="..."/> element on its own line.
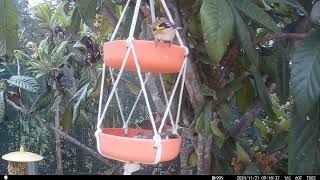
<point x="252" y="54"/>
<point x="245" y="38"/>
<point x="2" y="106"/>
<point x="257" y="14"/>
<point x="242" y="155"/>
<point x="75" y="21"/>
<point x="43" y="101"/>
<point x="58" y="52"/>
<point x="87" y="10"/>
<point x="203" y="119"/>
<point x="264" y="96"/>
<point x="217" y="24"/>
<point x="60" y="16"/>
<point x="278" y="69"/>
<point x="220" y="136"/>
<point x="82" y="96"/>
<point x="304" y="144"/>
<point x="305" y="72"/>
<point x="44" y="14"/>
<point x="24" y="82"/>
<point x="8" y="27"/>
<point x="293" y="3"/>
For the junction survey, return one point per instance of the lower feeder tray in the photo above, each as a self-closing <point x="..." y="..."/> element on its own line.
<point x="152" y="57"/>
<point x="115" y="145"/>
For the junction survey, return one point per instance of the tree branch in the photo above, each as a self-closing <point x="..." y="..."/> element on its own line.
<point x="247" y="119"/>
<point x="279" y="37"/>
<point x="63" y="134"/>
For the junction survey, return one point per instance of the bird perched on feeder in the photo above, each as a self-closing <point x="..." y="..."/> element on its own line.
<point x="164" y="30"/>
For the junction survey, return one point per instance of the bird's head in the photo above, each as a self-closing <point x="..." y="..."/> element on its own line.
<point x="159" y="24"/>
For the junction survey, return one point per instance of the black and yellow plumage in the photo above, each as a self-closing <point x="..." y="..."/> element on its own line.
<point x="164" y="30"/>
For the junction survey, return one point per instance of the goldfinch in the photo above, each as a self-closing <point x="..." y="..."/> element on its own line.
<point x="164" y="30"/>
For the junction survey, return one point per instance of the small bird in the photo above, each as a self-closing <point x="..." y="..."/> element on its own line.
<point x="164" y="31"/>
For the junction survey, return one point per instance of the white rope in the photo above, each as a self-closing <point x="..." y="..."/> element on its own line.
<point x="175" y="128"/>
<point x="117" y="97"/>
<point x="166" y="98"/>
<point x="129" y="168"/>
<point x="104" y="67"/>
<point x="153" y="14"/>
<point x="119" y="22"/>
<point x="156" y="137"/>
<point x="137" y="100"/>
<point x="171" y="97"/>
<point x="124" y="62"/>
<point x="134" y="19"/>
<point x="101" y="89"/>
<point x="144" y="89"/>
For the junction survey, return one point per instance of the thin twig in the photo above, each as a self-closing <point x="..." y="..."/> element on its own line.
<point x="279" y="37"/>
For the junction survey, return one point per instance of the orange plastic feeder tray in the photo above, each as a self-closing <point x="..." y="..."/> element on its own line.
<point x="115" y="145"/>
<point x="162" y="58"/>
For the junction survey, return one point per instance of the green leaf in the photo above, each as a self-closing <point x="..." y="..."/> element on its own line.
<point x="257" y="14"/>
<point x="66" y="120"/>
<point x="278" y="69"/>
<point x="84" y="120"/>
<point x="192" y="160"/>
<point x="82" y="96"/>
<point x="264" y="96"/>
<point x="2" y="106"/>
<point x="204" y="117"/>
<point x="58" y="52"/>
<point x="261" y="127"/>
<point x="284" y="125"/>
<point x="43" y="101"/>
<point x="8" y="27"/>
<point x="304" y="144"/>
<point x="243" y="156"/>
<point x="221" y="137"/>
<point x="199" y="126"/>
<point x="75" y="21"/>
<point x="60" y="16"/>
<point x="293" y="3"/>
<point x="44" y="14"/>
<point x="224" y="111"/>
<point x="305" y="72"/>
<point x="217" y="24"/>
<point x="245" y="38"/>
<point x="206" y="91"/>
<point x="245" y="96"/>
<point x="87" y="11"/>
<point x="95" y="91"/>
<point x="24" y="82"/>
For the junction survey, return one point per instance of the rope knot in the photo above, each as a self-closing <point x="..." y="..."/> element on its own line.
<point x="98" y="131"/>
<point x="157" y="140"/>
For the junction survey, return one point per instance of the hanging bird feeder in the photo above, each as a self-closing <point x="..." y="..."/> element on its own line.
<point x="123" y="144"/>
<point x="22" y="162"/>
<point x="151" y="57"/>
